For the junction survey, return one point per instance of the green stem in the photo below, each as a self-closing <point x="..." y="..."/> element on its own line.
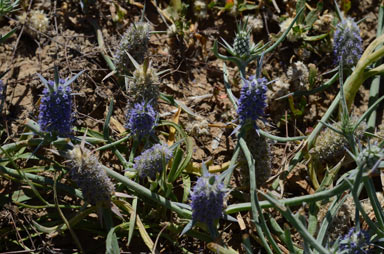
<point x="144" y="192"/>
<point x="42" y="180"/>
<point x="257" y="214"/>
<point x="291" y="201"/>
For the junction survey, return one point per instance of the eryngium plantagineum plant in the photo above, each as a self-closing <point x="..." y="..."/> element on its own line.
<point x="56" y="109"/>
<point x="152" y="160"/>
<point x="207" y="200"/>
<point x="141" y="119"/>
<point x="355" y="242"/>
<point x="89" y="175"/>
<point x="135" y="42"/>
<point x="347" y="42"/>
<point x="252" y="100"/>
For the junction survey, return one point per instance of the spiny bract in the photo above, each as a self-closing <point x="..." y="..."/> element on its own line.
<point x="252" y="100"/>
<point x="152" y="160"/>
<point x="141" y="119"/>
<point x="135" y="42"/>
<point x="89" y="175"/>
<point x="347" y="44"/>
<point x="56" y="109"/>
<point x="207" y="199"/>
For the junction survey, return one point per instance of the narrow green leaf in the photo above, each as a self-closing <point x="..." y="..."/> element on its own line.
<point x="132" y="221"/>
<point x="107" y="120"/>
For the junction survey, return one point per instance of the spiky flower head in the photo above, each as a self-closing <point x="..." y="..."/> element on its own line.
<point x="347" y="42"/>
<point x="141" y="119"/>
<point x="207" y="199"/>
<point x="370" y="155"/>
<point x="330" y="146"/>
<point x="152" y="160"/>
<point x="56" y="108"/>
<point x="252" y="100"/>
<point x="143" y="85"/>
<point x="355" y="242"/>
<point x="90" y="176"/>
<point x="242" y="42"/>
<point x="135" y="42"/>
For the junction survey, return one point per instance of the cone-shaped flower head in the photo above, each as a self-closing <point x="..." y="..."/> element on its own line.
<point x="252" y="100"/>
<point x="56" y="108"/>
<point x="141" y="119"/>
<point x="143" y="85"/>
<point x="89" y="175"/>
<point x="152" y="160"/>
<point x="355" y="242"/>
<point x="347" y="45"/>
<point x="135" y="42"/>
<point x="242" y="44"/>
<point x="330" y="146"/>
<point x="207" y="199"/>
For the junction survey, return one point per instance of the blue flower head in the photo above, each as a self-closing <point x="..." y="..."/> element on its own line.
<point x="141" y="119"/>
<point x="152" y="160"/>
<point x="355" y="242"/>
<point x="88" y="173"/>
<point x="207" y="199"/>
<point x="347" y="42"/>
<point x="252" y="100"/>
<point x="56" y="108"/>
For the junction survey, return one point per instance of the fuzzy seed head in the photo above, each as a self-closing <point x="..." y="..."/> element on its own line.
<point x="207" y="199"/>
<point x="347" y="43"/>
<point x="252" y="100"/>
<point x="89" y="175"/>
<point x="152" y="160"/>
<point x="56" y="109"/>
<point x="134" y="41"/>
<point x="254" y="22"/>
<point x="39" y="21"/>
<point x="200" y="9"/>
<point x="291" y="36"/>
<point x="141" y="119"/>
<point x="355" y="242"/>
